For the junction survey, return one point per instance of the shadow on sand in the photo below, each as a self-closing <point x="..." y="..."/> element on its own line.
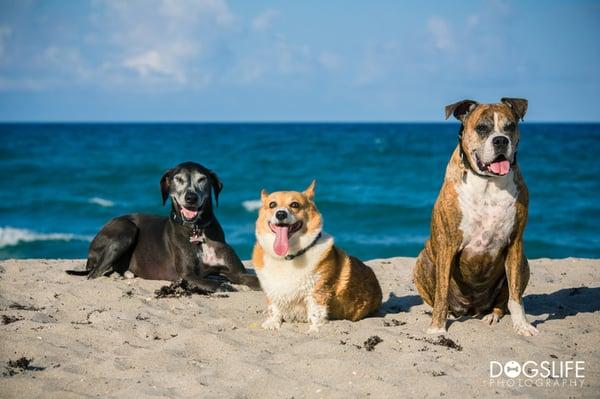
<point x="557" y="305"/>
<point x="396" y="304"/>
<point x="562" y="303"/>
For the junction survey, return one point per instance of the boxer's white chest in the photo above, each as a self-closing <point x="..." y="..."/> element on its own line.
<point x="488" y="207"/>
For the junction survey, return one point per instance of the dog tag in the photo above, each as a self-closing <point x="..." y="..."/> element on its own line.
<point x="197" y="239"/>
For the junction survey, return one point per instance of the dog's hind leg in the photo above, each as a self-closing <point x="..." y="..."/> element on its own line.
<point x="244" y="279"/>
<point x="424" y="277"/>
<point x="204" y="283"/>
<point x="112" y="243"/>
<point x="223" y="259"/>
<point x="499" y="306"/>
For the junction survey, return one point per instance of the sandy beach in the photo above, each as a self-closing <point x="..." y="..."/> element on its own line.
<point x="112" y="337"/>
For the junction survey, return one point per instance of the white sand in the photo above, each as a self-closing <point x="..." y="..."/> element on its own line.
<point x="111" y="337"/>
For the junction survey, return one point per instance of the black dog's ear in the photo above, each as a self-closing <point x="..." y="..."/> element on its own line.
<point x="165" y="184"/>
<point x="518" y="105"/>
<point x="460" y="109"/>
<point x="216" y="185"/>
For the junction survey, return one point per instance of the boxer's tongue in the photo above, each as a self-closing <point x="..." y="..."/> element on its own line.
<point x="500" y="167"/>
<point x="281" y="245"/>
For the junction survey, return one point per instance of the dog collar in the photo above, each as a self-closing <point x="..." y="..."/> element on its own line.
<point x="303" y="251"/>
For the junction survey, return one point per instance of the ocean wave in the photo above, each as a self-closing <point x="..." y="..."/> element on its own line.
<point x="252" y="205"/>
<point x="101" y="201"/>
<point x="11" y="236"/>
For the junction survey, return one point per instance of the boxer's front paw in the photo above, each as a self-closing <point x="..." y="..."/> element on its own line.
<point x="436" y="330"/>
<point x="491" y="318"/>
<point x="525" y="329"/>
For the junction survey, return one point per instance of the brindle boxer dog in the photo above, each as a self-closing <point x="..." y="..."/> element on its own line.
<point x="473" y="262"/>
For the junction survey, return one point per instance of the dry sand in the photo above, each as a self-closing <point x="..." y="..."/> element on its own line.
<point x="111" y="338"/>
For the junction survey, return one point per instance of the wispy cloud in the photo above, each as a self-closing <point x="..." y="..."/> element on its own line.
<point x="264" y="20"/>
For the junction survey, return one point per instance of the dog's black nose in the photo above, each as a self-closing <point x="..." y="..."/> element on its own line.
<point x="500" y="142"/>
<point x="281" y="215"/>
<point x="191" y="197"/>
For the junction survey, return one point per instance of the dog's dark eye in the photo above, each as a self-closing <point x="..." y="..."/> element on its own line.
<point x="482" y="129"/>
<point x="510" y="127"/>
<point x="272" y="204"/>
<point x="179" y="179"/>
<point x="201" y="179"/>
<point x="294" y="205"/>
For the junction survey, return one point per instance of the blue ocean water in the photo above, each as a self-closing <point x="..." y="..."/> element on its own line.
<point x="376" y="182"/>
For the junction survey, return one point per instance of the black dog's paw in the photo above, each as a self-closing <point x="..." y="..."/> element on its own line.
<point x="251" y="282"/>
<point x="225" y="287"/>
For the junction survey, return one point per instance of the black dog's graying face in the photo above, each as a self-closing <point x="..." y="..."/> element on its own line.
<point x="490" y="133"/>
<point x="189" y="185"/>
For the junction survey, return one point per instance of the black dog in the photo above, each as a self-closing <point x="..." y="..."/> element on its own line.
<point x="190" y="244"/>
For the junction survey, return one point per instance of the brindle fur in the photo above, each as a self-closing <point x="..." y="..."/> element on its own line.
<point x="449" y="278"/>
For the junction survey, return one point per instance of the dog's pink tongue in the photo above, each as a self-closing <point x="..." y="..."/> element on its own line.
<point x="188" y="213"/>
<point x="500" y="167"/>
<point x="281" y="245"/>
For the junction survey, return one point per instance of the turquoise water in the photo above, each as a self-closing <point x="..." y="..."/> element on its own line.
<point x="376" y="182"/>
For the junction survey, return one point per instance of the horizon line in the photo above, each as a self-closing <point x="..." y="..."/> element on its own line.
<point x="132" y="121"/>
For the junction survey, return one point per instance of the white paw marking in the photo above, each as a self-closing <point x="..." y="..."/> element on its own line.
<point x="314" y="328"/>
<point x="526" y="329"/>
<point x="520" y="323"/>
<point x="271" y="324"/>
<point x="436" y="330"/>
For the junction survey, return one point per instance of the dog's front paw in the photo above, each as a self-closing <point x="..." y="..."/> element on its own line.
<point x="271" y="324"/>
<point x="436" y="330"/>
<point x="225" y="287"/>
<point x="525" y="329"/>
<point x="491" y="318"/>
<point x="314" y="328"/>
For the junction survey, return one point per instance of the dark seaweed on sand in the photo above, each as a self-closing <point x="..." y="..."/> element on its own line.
<point x="181" y="288"/>
<point x="371" y="342"/>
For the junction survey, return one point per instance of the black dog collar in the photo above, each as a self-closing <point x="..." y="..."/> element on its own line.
<point x="303" y="251"/>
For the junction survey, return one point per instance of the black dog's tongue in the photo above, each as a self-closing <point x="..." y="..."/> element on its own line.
<point x="188" y="213"/>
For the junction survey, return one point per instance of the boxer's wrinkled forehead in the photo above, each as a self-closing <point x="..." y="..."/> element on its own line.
<point x="487" y="118"/>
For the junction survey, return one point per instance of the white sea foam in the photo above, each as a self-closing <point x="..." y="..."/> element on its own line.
<point x="252" y="205"/>
<point x="101" y="201"/>
<point x="11" y="236"/>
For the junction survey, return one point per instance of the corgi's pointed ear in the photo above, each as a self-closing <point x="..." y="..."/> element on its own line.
<point x="263" y="195"/>
<point x="310" y="190"/>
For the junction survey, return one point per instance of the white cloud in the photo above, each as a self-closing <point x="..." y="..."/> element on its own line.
<point x="264" y="20"/>
<point x="329" y="60"/>
<point x="152" y="62"/>
<point x="441" y="33"/>
<point x="5" y="33"/>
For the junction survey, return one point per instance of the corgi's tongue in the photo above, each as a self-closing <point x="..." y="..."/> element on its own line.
<point x="188" y="213"/>
<point x="500" y="167"/>
<point x="281" y="244"/>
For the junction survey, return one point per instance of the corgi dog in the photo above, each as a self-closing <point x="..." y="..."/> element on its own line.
<point x="304" y="275"/>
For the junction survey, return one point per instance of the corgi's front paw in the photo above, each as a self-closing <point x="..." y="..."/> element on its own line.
<point x="272" y="324"/>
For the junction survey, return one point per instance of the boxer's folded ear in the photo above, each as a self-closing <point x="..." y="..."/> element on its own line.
<point x="460" y="109"/>
<point x="518" y="105"/>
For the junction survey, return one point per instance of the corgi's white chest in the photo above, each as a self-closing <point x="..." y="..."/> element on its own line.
<point x="488" y="208"/>
<point x="288" y="283"/>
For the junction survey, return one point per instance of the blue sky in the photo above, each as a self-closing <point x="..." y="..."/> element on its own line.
<point x="241" y="60"/>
